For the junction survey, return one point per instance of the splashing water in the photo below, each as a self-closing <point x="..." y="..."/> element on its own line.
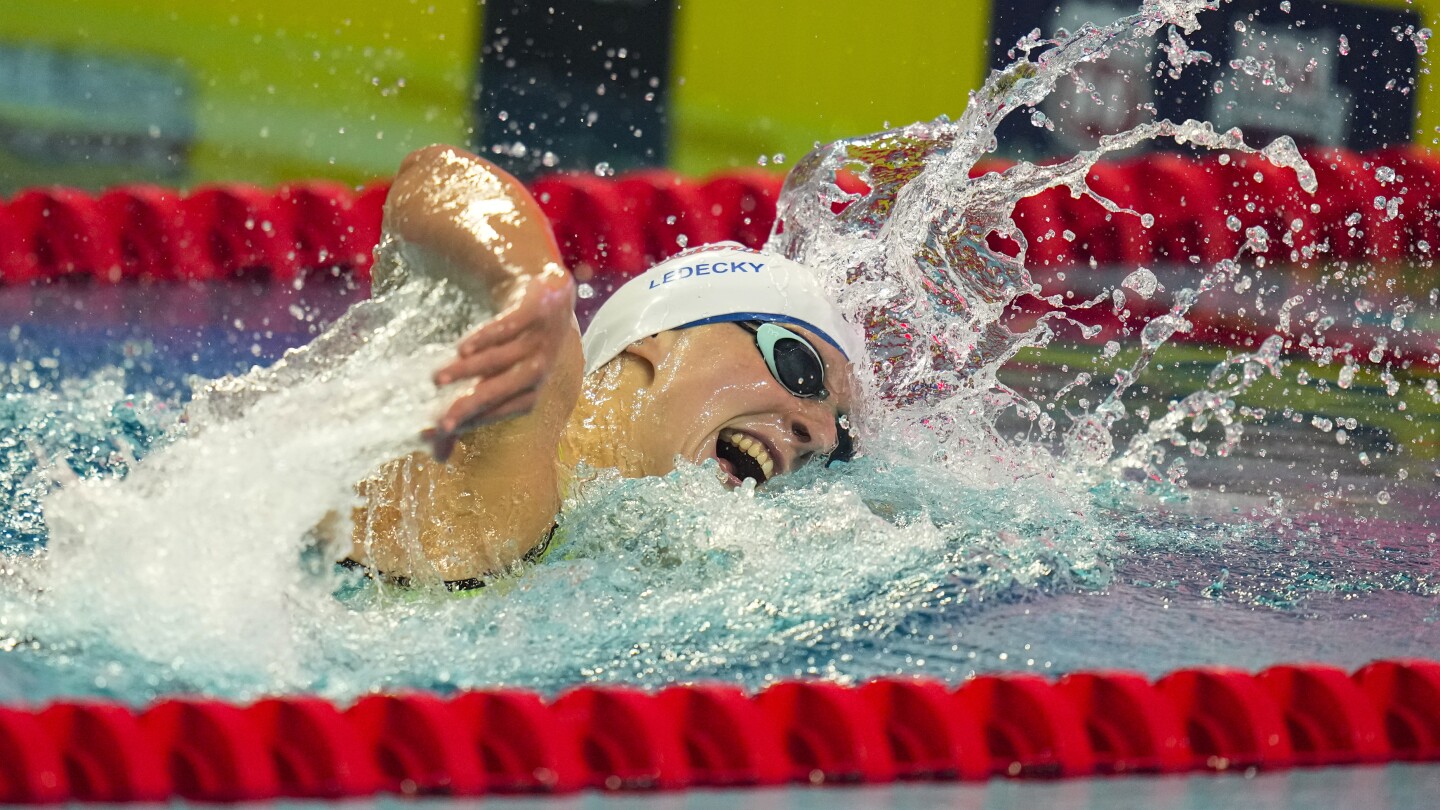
<point x="911" y="256"/>
<point x="195" y="569"/>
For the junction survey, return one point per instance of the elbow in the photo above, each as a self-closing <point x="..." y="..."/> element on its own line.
<point x="427" y="159"/>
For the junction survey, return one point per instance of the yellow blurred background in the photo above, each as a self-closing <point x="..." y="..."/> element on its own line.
<point x="269" y="90"/>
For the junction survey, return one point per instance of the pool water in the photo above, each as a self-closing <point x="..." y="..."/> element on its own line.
<point x="1278" y="567"/>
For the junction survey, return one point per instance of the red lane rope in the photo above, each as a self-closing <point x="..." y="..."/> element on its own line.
<point x="611" y="229"/>
<point x="623" y="225"/>
<point x="797" y="732"/>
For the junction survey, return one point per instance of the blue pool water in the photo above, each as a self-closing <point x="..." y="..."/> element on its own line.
<point x="891" y="569"/>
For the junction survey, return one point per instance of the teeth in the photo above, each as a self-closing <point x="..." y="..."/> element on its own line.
<point x="752" y="448"/>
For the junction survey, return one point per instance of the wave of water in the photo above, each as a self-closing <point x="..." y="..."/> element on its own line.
<point x="196" y="569"/>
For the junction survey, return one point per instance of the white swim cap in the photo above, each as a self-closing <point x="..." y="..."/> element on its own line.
<point x="725" y="281"/>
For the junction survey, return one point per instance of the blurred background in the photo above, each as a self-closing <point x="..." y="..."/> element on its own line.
<point x="95" y="93"/>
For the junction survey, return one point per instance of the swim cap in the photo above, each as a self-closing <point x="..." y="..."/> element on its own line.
<point x="725" y="281"/>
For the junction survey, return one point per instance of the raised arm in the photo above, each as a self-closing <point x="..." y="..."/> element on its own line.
<point x="460" y="217"/>
<point x="464" y="218"/>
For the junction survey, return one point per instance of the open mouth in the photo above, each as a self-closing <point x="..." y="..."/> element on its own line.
<point x="743" y="456"/>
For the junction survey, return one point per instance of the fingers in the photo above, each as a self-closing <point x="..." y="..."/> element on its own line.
<point x="510" y="358"/>
<point x="494" y="359"/>
<point x="501" y="328"/>
<point x="441" y="444"/>
<point x="475" y="408"/>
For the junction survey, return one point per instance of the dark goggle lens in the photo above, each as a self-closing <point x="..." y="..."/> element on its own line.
<point x="797" y="367"/>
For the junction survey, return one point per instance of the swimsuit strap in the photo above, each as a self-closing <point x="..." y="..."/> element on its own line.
<point x="534" y="555"/>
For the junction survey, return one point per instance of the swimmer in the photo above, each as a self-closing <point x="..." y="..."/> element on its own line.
<point x="719" y="353"/>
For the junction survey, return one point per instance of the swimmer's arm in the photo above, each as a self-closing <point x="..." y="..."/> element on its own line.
<point x="481" y="224"/>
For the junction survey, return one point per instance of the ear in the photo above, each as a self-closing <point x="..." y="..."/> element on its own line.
<point x="651" y="351"/>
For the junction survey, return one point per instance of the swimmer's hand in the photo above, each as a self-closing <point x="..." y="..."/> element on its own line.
<point x="467" y="220"/>
<point x="510" y="357"/>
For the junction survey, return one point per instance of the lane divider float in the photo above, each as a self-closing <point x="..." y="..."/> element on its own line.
<point x="711" y="735"/>
<point x="619" y="226"/>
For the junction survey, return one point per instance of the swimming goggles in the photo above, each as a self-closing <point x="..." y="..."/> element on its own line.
<point x="796" y="364"/>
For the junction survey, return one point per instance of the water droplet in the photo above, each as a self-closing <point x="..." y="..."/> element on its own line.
<point x="1142" y="282"/>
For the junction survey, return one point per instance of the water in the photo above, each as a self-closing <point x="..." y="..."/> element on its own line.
<point x="1027" y="499"/>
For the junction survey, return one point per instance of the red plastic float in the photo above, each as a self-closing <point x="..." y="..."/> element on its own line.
<point x="1106" y="237"/>
<point x="626" y="738"/>
<point x="1031" y="727"/>
<point x="521" y="748"/>
<point x="1132" y="727"/>
<point x="620" y="226"/>
<point x="214" y="750"/>
<point x="108" y="756"/>
<point x="314" y="748"/>
<point x="59" y="233"/>
<point x="1356" y="228"/>
<point x="928" y="738"/>
<point x="1417" y="181"/>
<point x="829" y="733"/>
<point x="1330" y="719"/>
<point x="727" y="738"/>
<point x="237" y="230"/>
<point x="592" y="223"/>
<point x="327" y="231"/>
<point x="1407" y="695"/>
<point x="31" y="771"/>
<point x="1231" y="720"/>
<point x="146" y="220"/>
<point x="487" y="742"/>
<point x="417" y="745"/>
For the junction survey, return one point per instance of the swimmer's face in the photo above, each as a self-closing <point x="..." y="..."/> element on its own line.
<point x="711" y="396"/>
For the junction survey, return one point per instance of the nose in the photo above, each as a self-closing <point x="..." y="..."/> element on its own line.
<point x="813" y="426"/>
